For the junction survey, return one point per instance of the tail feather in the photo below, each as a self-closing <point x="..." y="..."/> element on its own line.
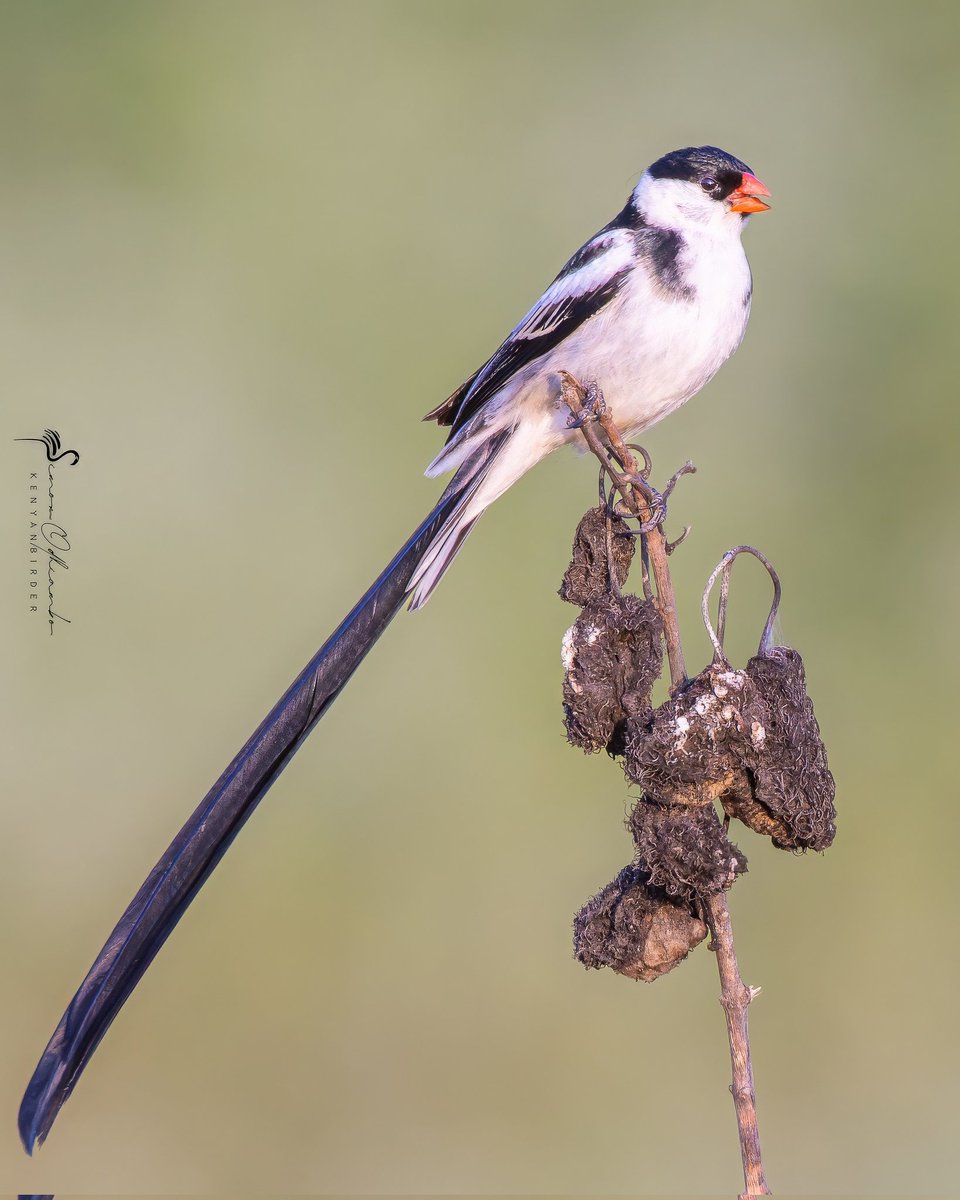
<point x="446" y="545"/>
<point x="209" y="831"/>
<point x="440" y="555"/>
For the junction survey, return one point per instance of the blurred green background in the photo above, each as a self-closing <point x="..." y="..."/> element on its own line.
<point x="245" y="247"/>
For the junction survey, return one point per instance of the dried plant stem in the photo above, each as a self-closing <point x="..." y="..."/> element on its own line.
<point x="735" y="997"/>
<point x="589" y="411"/>
<point x="656" y="544"/>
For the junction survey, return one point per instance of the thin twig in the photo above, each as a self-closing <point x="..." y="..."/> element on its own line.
<point x="735" y="997"/>
<point x="589" y="411"/>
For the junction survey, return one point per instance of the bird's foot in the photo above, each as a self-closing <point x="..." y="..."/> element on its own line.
<point x="657" y="501"/>
<point x="592" y="408"/>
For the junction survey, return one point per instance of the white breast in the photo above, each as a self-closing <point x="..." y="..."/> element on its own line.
<point x="650" y="351"/>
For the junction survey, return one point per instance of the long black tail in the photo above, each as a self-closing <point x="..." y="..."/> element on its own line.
<point x="203" y="840"/>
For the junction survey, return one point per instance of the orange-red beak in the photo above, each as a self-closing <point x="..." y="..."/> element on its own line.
<point x="746" y="198"/>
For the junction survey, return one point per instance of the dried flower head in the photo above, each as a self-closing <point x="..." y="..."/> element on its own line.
<point x="612" y="656"/>
<point x="684" y="850"/>
<point x="602" y="541"/>
<point x="695" y="746"/>
<point x="793" y="791"/>
<point x="635" y="929"/>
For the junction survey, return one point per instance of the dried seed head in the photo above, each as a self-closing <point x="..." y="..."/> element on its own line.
<point x="602" y="541"/>
<point x="694" y="747"/>
<point x="684" y="851"/>
<point x="792" y="784"/>
<point x="612" y="656"/>
<point x="635" y="929"/>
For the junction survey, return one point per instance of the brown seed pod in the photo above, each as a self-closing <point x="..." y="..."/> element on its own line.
<point x="635" y="929"/>
<point x="792" y="784"/>
<point x="694" y="747"/>
<point x="612" y="656"/>
<point x="684" y="851"/>
<point x="602" y="541"/>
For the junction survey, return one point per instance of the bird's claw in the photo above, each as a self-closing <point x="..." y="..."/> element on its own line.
<point x="657" y="502"/>
<point x="593" y="408"/>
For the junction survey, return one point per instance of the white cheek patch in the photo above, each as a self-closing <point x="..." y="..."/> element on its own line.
<point x="667" y="202"/>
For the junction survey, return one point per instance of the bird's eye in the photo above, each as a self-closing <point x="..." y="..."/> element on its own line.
<point x="708" y="183"/>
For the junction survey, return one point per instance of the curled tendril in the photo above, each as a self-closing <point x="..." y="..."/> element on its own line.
<point x="687" y="469"/>
<point x="605" y="500"/>
<point x="671" y="546"/>
<point x="645" y="455"/>
<point x="723" y="569"/>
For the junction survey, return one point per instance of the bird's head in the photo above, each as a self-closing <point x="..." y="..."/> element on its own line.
<point x="701" y="185"/>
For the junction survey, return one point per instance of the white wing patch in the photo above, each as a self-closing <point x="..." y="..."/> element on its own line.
<point x="602" y="258"/>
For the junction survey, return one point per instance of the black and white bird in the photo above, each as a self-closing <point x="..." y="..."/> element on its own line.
<point x="649" y="309"/>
